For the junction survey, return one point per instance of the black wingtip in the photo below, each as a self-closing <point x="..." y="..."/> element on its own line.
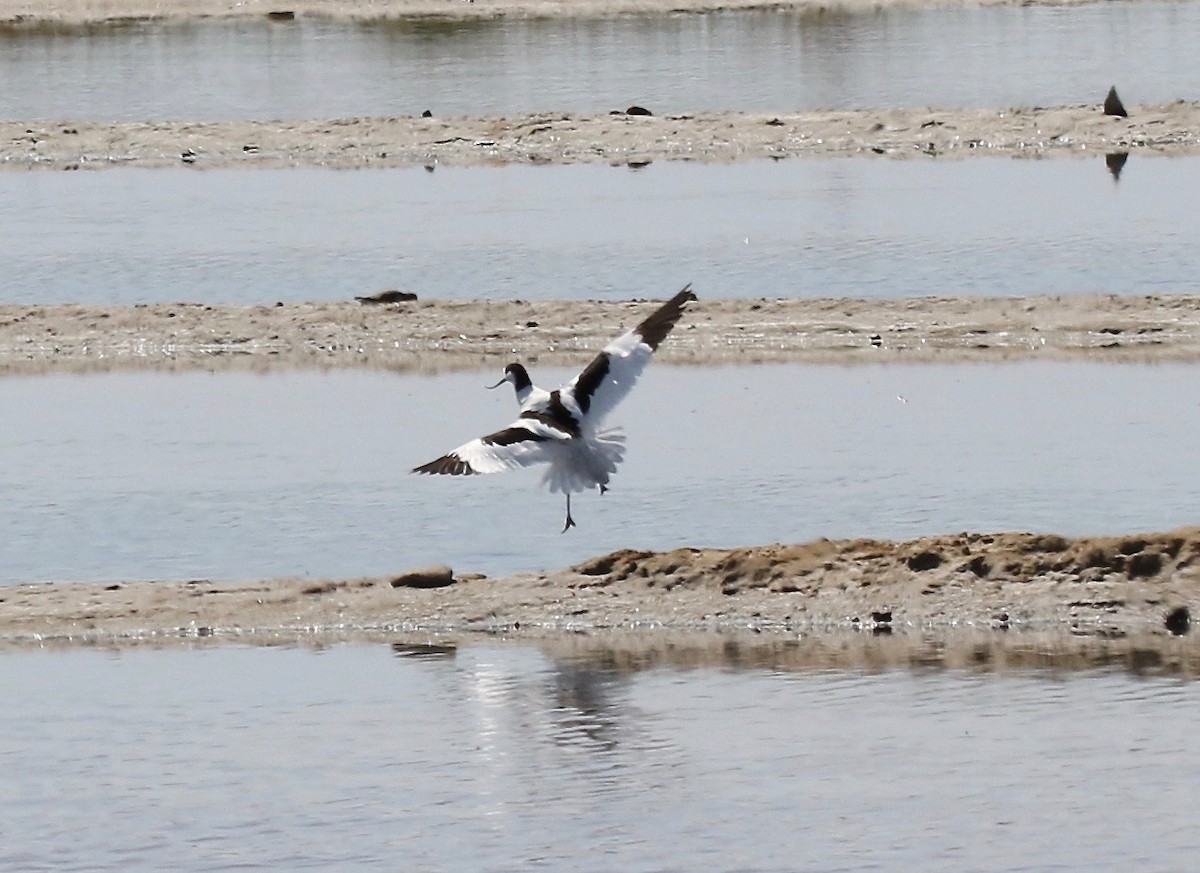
<point x="446" y="465"/>
<point x="656" y="327"/>
<point x="683" y="297"/>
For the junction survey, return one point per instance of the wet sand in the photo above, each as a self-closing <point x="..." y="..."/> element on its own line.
<point x="563" y="138"/>
<point x="437" y="336"/>
<point x="1046" y="591"/>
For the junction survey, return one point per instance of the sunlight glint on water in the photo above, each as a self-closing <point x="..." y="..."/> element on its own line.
<point x="499" y="758"/>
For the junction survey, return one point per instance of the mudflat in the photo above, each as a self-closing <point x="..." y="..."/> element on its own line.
<point x="565" y="138"/>
<point x="442" y="335"/>
<point x="1120" y="594"/>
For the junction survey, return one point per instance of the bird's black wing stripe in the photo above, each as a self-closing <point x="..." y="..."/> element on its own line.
<point x="589" y="380"/>
<point x="447" y="465"/>
<point x="511" y="435"/>
<point x="655" y="328"/>
<point x="564" y="420"/>
<point x="556" y="417"/>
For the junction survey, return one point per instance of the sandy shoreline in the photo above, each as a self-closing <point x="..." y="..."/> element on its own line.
<point x="564" y="138"/>
<point x="438" y="336"/>
<point x="1120" y="592"/>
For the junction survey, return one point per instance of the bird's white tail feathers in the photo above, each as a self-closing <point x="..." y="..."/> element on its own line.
<point x="587" y="462"/>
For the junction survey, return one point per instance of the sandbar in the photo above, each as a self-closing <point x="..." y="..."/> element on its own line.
<point x="447" y="335"/>
<point x="1171" y="129"/>
<point x="995" y="593"/>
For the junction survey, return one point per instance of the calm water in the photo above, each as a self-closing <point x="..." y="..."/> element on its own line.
<point x="239" y="476"/>
<point x="499" y="758"/>
<point x="769" y="61"/>
<point x="800" y="228"/>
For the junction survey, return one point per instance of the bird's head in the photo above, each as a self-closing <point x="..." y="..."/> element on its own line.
<point x="515" y="375"/>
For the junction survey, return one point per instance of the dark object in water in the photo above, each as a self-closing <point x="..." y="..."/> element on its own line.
<point x="1113" y="105"/>
<point x="1115" y="161"/>
<point x="388" y="297"/>
<point x="423" y="651"/>
<point x="1178" y="621"/>
<point x="281" y="15"/>
<point x="427" y="114"/>
<point x="638" y="110"/>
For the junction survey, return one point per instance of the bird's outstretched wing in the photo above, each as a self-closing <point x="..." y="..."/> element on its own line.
<point x="612" y="373"/>
<point x="524" y="443"/>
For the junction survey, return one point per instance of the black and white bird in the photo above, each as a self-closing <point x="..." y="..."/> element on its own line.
<point x="562" y="427"/>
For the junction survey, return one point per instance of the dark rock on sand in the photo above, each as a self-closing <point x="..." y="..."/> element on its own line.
<point x="430" y="577"/>
<point x="979" y="566"/>
<point x="1144" y="564"/>
<point x="924" y="561"/>
<point x="1178" y="621"/>
<point x="388" y="297"/>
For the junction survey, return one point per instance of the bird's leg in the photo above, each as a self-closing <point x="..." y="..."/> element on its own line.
<point x="570" y="521"/>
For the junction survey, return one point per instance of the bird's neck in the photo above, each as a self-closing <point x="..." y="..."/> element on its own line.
<point x="534" y="398"/>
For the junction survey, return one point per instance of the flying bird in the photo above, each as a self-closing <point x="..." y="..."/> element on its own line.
<point x="562" y="427"/>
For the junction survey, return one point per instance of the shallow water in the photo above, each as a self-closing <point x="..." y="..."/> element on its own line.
<point x="241" y="476"/>
<point x="799" y="228"/>
<point x="1000" y="56"/>
<point x="495" y="757"/>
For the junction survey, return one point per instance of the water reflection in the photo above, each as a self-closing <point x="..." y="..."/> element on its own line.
<point x="506" y="758"/>
<point x="570" y="702"/>
<point x="424" y="651"/>
<point x="768" y="61"/>
<point x="1115" y="162"/>
<point x="970" y="652"/>
<point x="587" y="698"/>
